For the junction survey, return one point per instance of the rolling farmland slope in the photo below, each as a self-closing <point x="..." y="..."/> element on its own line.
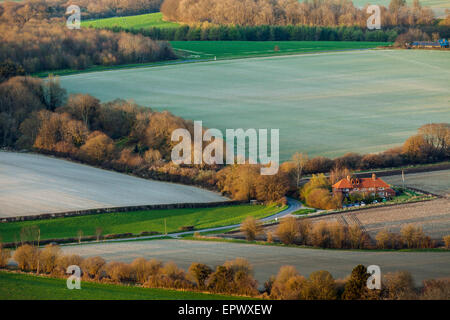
<point x="267" y="260"/>
<point x="34" y="184"/>
<point x="324" y="104"/>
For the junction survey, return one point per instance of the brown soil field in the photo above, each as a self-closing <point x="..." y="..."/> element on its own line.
<point x="433" y="216"/>
<point x="437" y="182"/>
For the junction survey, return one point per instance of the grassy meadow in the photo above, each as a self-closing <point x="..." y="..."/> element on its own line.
<point x="138" y="221"/>
<point x="14" y="286"/>
<point x="150" y="20"/>
<point x="192" y="51"/>
<point x="242" y="49"/>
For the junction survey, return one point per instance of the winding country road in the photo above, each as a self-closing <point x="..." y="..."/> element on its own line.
<point x="293" y="205"/>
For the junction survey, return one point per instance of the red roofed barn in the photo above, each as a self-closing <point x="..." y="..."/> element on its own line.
<point x="373" y="186"/>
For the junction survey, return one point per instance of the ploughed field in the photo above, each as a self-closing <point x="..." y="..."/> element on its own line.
<point x="324" y="104"/>
<point x="437" y="182"/>
<point x="433" y="216"/>
<point x="34" y="184"/>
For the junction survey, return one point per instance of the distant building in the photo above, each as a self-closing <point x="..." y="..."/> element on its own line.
<point x="373" y="186"/>
<point x="441" y="43"/>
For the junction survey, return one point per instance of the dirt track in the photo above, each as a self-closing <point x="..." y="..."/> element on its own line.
<point x="34" y="184"/>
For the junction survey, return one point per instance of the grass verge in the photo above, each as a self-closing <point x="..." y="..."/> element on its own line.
<point x="150" y="20"/>
<point x="18" y="286"/>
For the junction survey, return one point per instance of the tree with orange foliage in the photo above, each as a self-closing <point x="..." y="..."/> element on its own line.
<point x="98" y="148"/>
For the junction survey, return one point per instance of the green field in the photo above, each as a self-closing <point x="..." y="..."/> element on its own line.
<point x="138" y="221"/>
<point x="149" y="20"/>
<point x="241" y="49"/>
<point x="28" y="287"/>
<point x="324" y="104"/>
<point x="191" y="51"/>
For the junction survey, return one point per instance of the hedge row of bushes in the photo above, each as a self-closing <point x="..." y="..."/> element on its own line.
<point x="233" y="277"/>
<point x="332" y="234"/>
<point x="264" y="33"/>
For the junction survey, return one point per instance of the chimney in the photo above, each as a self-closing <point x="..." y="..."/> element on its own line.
<point x="374" y="176"/>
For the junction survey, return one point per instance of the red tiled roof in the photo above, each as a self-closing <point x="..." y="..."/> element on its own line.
<point x="360" y="183"/>
<point x="343" y="184"/>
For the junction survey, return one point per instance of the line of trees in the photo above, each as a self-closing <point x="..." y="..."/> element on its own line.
<point x="265" y="33"/>
<point x="46" y="45"/>
<point x="336" y="235"/>
<point x="120" y="135"/>
<point x="233" y="277"/>
<point x="19" y="12"/>
<point x="291" y="12"/>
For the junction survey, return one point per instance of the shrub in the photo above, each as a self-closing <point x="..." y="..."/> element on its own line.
<point x="388" y="240"/>
<point x="357" y="237"/>
<point x="243" y="281"/>
<point x="356" y="286"/>
<point x="251" y="228"/>
<point x="169" y="276"/>
<point x="5" y="255"/>
<point x="398" y="285"/>
<point x="221" y="280"/>
<point x="304" y="227"/>
<point x="143" y="269"/>
<point x="120" y="272"/>
<point x="447" y="241"/>
<point x="200" y="273"/>
<point x="64" y="261"/>
<point x="288" y="284"/>
<point x="414" y="237"/>
<point x="48" y="258"/>
<point x="320" y="235"/>
<point x="288" y="230"/>
<point x="436" y="289"/>
<point x="27" y="257"/>
<point x="338" y="235"/>
<point x="320" y="286"/>
<point x="92" y="266"/>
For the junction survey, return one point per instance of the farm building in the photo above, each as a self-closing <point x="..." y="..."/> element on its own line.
<point x="373" y="186"/>
<point x="442" y="43"/>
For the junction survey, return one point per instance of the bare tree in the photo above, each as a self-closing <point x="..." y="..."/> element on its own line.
<point x="300" y="160"/>
<point x="98" y="233"/>
<point x="79" y="236"/>
<point x="251" y="227"/>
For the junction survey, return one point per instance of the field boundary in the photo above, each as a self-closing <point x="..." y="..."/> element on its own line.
<point x="85" y="212"/>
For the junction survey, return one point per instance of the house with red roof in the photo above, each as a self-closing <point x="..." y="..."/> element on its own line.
<point x="373" y="186"/>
